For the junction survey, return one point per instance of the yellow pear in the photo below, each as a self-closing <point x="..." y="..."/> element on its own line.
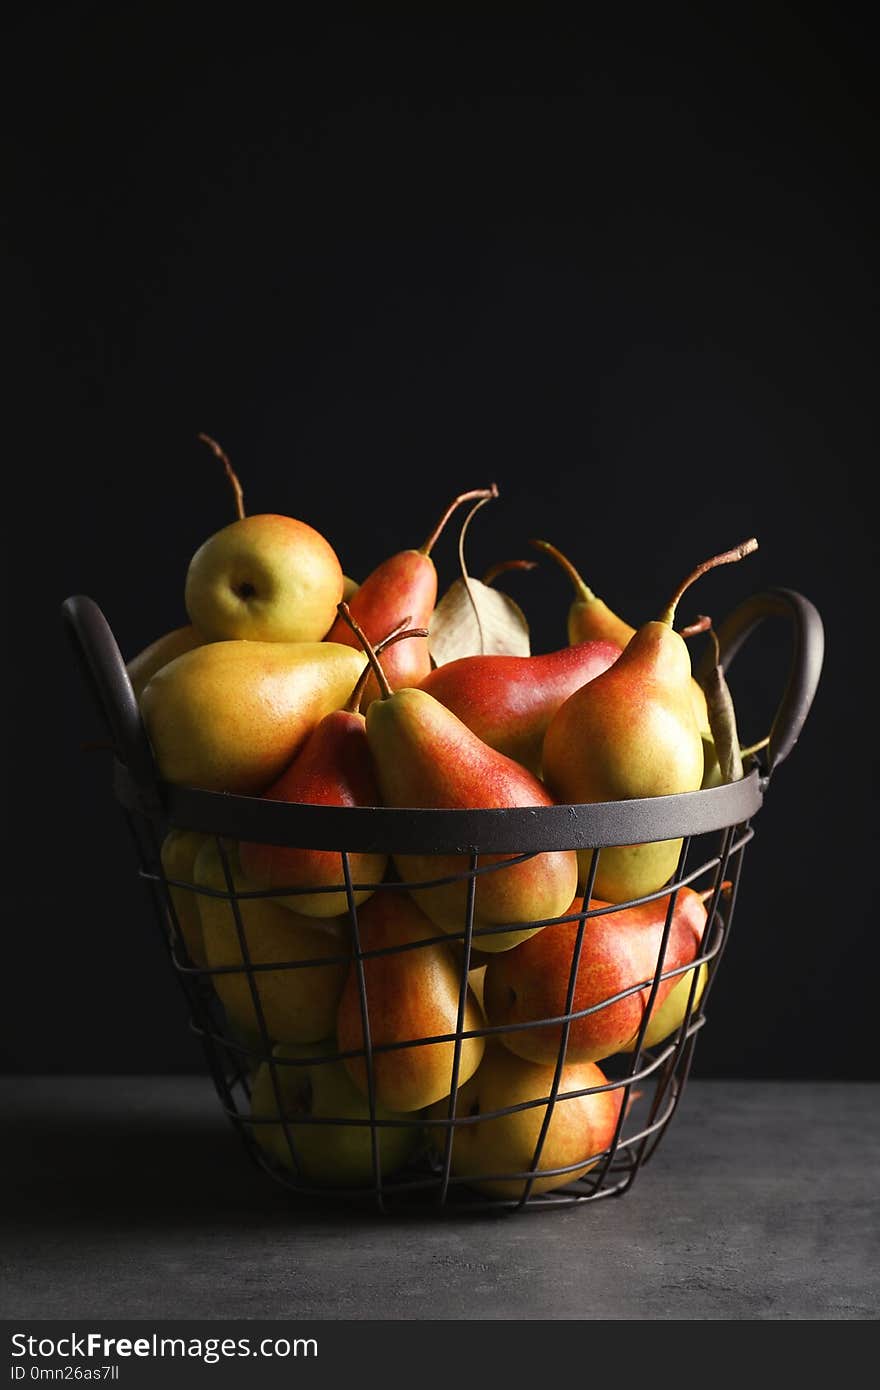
<point x="298" y="1003"/>
<point x="143" y="667"/>
<point x="179" y="851"/>
<point x="229" y="716"/>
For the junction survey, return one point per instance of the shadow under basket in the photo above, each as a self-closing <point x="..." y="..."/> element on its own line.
<point x="561" y="1132"/>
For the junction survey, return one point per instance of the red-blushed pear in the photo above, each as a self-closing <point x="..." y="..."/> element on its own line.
<point x="230" y="716"/>
<point x="404" y="583"/>
<point x="262" y="578"/>
<point x="334" y="767"/>
<point x="311" y="1089"/>
<point x="580" y="1130"/>
<point x="508" y="701"/>
<point x="426" y="757"/>
<point x="632" y="732"/>
<point x="590" y="619"/>
<point x="619" y="952"/>
<point x="144" y="666"/>
<point x="178" y="854"/>
<point x="298" y="1002"/>
<point x="412" y="992"/>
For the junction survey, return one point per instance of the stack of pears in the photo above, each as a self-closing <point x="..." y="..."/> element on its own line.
<point x="396" y="1009"/>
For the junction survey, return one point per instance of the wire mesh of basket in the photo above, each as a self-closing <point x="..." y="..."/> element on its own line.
<point x="295" y="1026"/>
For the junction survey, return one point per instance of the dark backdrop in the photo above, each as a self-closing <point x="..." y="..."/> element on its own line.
<point x="622" y="269"/>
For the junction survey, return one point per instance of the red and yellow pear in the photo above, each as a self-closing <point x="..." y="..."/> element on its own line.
<point x="631" y="733"/>
<point x="590" y="619"/>
<point x="412" y="992"/>
<point x="620" y="953"/>
<point x="404" y="583"/>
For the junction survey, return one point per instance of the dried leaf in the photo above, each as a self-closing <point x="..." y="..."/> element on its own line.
<point x="473" y="620"/>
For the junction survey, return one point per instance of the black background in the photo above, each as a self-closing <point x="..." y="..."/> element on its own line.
<point x="623" y="269"/>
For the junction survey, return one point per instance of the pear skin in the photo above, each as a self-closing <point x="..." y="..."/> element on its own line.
<point x="329" y="1155"/>
<point x="426" y="757"/>
<point x="580" y="1129"/>
<point x="333" y="768"/>
<point x="619" y="950"/>
<point x="299" y="1003"/>
<point x="666" y="1017"/>
<point x="411" y="994"/>
<point x="179" y="851"/>
<point x="629" y="733"/>
<point x="143" y="667"/>
<point x="508" y="701"/>
<point x="230" y="716"/>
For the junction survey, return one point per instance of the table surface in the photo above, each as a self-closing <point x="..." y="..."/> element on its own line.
<point x="132" y="1197"/>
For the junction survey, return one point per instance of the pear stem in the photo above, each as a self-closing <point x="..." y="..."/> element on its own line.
<point x="486" y="493"/>
<point x="707" y="892"/>
<point x="583" y="590"/>
<point x="399" y="633"/>
<point x="700" y="624"/>
<point x="754" y="747"/>
<point x="345" y="613"/>
<point x="230" y="473"/>
<point x="727" y="557"/>
<point x="495" y="571"/>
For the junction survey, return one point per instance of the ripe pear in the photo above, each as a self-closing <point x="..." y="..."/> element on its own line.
<point x="230" y="716"/>
<point x="411" y="994"/>
<point x="405" y="583"/>
<point x="329" y="1155"/>
<point x="619" y="952"/>
<point x="590" y="619"/>
<point x="580" y="1130"/>
<point x="299" y="1002"/>
<point x="178" y="853"/>
<point x="264" y="578"/>
<point x="426" y="757"/>
<point x="144" y="666"/>
<point x="632" y="732"/>
<point x="666" y="1018"/>
<point x="508" y="701"/>
<point x="333" y="768"/>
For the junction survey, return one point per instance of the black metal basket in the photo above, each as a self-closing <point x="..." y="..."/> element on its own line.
<point x="714" y="826"/>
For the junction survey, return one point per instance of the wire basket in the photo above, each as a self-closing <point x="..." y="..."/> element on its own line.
<point x="611" y="1119"/>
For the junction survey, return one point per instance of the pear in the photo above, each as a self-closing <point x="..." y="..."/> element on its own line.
<point x="230" y="716"/>
<point x="426" y="757"/>
<point x="178" y="853"/>
<point x="632" y="732"/>
<point x="144" y="666"/>
<point x="484" y="1149"/>
<point x="404" y="583"/>
<point x="262" y="578"/>
<point x="619" y="953"/>
<point x="590" y="619"/>
<point x="331" y="1154"/>
<point x="508" y="701"/>
<point x="298" y="1002"/>
<point x="411" y="994"/>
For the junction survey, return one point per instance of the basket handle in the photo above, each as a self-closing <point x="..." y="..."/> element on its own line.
<point x="106" y="676"/>
<point x="808" y="649"/>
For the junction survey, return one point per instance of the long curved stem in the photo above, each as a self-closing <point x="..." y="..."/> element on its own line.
<point x="396" y="634"/>
<point x="581" y="588"/>
<point x="230" y="473"/>
<point x="486" y="493"/>
<point x="727" y="557"/>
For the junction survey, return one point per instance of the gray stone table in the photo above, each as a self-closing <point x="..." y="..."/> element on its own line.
<point x="134" y="1198"/>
